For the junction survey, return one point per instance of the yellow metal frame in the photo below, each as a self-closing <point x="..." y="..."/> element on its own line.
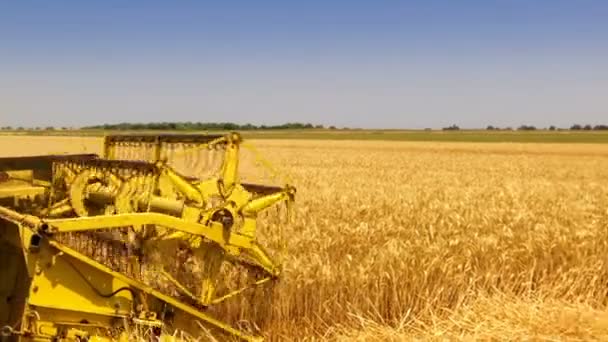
<point x="189" y="219"/>
<point x="41" y="287"/>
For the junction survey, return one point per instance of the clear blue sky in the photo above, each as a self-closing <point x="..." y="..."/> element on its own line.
<point x="377" y="64"/>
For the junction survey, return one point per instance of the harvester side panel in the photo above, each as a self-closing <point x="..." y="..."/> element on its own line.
<point x="14" y="278"/>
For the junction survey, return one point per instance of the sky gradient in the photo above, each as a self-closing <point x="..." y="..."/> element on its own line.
<point x="367" y="64"/>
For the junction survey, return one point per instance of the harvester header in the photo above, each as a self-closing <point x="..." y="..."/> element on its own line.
<point x="98" y="246"/>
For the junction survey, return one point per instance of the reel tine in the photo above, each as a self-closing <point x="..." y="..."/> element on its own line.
<point x="194" y="159"/>
<point x="163" y="151"/>
<point x="171" y="153"/>
<point x="189" y="159"/>
<point x="185" y="157"/>
<point x="147" y="154"/>
<point x="129" y="149"/>
<point x="151" y="152"/>
<point x="139" y="151"/>
<point x="210" y="159"/>
<point x="136" y="151"/>
<point x="197" y="155"/>
<point x="219" y="157"/>
<point x="125" y="151"/>
<point x="201" y="162"/>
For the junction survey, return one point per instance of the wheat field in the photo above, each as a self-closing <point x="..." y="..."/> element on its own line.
<point x="398" y="241"/>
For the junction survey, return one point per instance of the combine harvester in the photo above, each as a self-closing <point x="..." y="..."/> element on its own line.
<point x="97" y="249"/>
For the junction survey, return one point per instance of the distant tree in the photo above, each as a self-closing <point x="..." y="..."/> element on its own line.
<point x="49" y="128"/>
<point x="332" y="127"/>
<point x="319" y="127"/>
<point x="552" y="128"/>
<point x="600" y="127"/>
<point x="526" y="128"/>
<point x="576" y="127"/>
<point x="451" y="128"/>
<point x="490" y="128"/>
<point x="587" y="128"/>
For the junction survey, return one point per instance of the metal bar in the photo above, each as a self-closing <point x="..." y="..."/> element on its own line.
<point x="186" y="188"/>
<point x="230" y="165"/>
<point x="21" y="191"/>
<point x="163" y="138"/>
<point x="137" y="165"/>
<point x="39" y="162"/>
<point x="18" y="218"/>
<point x="214" y="232"/>
<point x="239" y="291"/>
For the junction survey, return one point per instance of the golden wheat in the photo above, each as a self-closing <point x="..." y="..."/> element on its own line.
<point x="398" y="241"/>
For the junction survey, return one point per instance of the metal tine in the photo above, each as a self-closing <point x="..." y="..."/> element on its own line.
<point x="213" y="152"/>
<point x="150" y="152"/>
<point x="128" y="154"/>
<point x="195" y="160"/>
<point x="185" y="156"/>
<point x="183" y="163"/>
<point x="219" y="156"/>
<point x="118" y="152"/>
<point x="123" y="151"/>
<point x="178" y="157"/>
<point x="206" y="162"/>
<point x="137" y="155"/>
<point x="195" y="155"/>
<point x="134" y="152"/>
<point x="170" y="154"/>
<point x="163" y="151"/>
<point x="202" y="161"/>
<point x="143" y="151"/>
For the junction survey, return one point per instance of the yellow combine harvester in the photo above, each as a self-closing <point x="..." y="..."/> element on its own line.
<point x="98" y="248"/>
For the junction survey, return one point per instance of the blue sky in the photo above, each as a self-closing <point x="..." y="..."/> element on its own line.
<point x="376" y="64"/>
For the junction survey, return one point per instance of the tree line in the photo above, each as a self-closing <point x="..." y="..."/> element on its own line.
<point x="229" y="126"/>
<point x="575" y="127"/>
<point x="201" y="126"/>
<point x="180" y="126"/>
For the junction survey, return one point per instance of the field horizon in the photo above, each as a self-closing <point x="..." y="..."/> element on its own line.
<point x="477" y="135"/>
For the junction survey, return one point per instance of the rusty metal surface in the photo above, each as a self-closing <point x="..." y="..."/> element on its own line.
<point x="162" y="138"/>
<point x="39" y="162"/>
